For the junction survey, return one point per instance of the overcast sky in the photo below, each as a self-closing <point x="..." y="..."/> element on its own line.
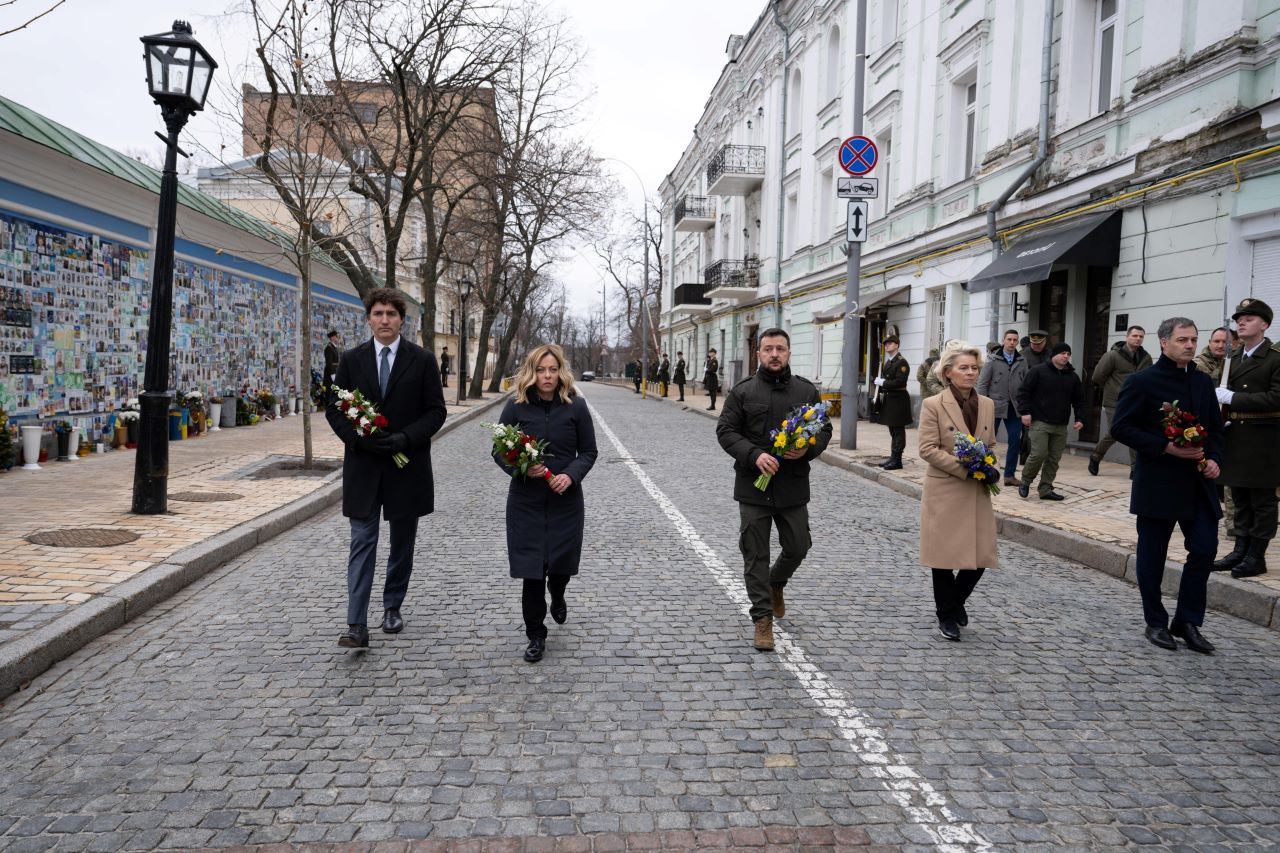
<point x="652" y="65"/>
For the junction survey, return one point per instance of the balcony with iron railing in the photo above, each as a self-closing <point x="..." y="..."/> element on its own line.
<point x="736" y="170"/>
<point x="732" y="279"/>
<point x="695" y="213"/>
<point x="689" y="299"/>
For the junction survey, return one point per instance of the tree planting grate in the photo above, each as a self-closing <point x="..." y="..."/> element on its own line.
<point x="83" y="537"/>
<point x="205" y="497"/>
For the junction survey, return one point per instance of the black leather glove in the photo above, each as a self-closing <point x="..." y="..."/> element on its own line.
<point x="371" y="444"/>
<point x="396" y="442"/>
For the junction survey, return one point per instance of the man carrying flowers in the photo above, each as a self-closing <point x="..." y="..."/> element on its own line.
<point x="1169" y="415"/>
<point x="755" y="408"/>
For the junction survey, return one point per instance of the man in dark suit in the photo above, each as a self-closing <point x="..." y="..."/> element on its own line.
<point x="1169" y="486"/>
<point x="402" y="380"/>
<point x="331" y="354"/>
<point x="1252" y="466"/>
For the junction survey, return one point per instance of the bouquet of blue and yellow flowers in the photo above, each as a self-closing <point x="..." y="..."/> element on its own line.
<point x="979" y="461"/>
<point x="798" y="431"/>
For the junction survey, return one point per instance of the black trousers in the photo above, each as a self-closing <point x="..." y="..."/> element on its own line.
<point x="533" y="601"/>
<point x="951" y="589"/>
<point x="756" y="523"/>
<point x="711" y="392"/>
<point x="680" y="385"/>
<point x="897" y="440"/>
<point x="1255" y="512"/>
<point x="1201" y="532"/>
<point x="636" y="380"/>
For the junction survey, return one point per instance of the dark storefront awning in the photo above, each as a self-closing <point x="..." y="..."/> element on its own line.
<point x="1090" y="241"/>
<point x="894" y="296"/>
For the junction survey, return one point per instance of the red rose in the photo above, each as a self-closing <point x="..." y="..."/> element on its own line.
<point x="1188" y="417"/>
<point x="380" y="422"/>
<point x="1170" y="432"/>
<point x="345" y="405"/>
<point x="512" y="456"/>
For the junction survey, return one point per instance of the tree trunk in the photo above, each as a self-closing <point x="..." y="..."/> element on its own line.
<point x="476" y="390"/>
<point x="428" y="308"/>
<point x="304" y="268"/>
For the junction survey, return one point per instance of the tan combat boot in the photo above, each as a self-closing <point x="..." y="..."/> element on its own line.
<point x="779" y="606"/>
<point x="764" y="634"/>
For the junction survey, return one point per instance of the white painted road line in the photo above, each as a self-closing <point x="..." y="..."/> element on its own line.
<point x="924" y="805"/>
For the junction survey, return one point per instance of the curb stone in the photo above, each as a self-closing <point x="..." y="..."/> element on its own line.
<point x="1241" y="599"/>
<point x="22" y="659"/>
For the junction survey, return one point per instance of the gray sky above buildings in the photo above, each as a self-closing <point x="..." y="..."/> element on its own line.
<point x="652" y="65"/>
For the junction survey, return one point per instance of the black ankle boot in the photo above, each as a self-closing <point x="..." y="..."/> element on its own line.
<point x="1255" y="562"/>
<point x="1233" y="559"/>
<point x="894" y="463"/>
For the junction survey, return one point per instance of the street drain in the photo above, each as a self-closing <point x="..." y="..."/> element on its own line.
<point x="82" y="537"/>
<point x="205" y="497"/>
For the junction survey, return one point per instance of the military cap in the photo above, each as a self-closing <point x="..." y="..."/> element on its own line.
<point x="892" y="339"/>
<point x="1256" y="307"/>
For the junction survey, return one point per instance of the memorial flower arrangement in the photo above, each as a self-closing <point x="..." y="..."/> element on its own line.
<point x="62" y="427"/>
<point x="518" y="450"/>
<point x="797" y="431"/>
<point x="1183" y="429"/>
<point x="364" y="417"/>
<point x="979" y="461"/>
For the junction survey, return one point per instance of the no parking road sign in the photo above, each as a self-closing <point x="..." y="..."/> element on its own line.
<point x="858" y="155"/>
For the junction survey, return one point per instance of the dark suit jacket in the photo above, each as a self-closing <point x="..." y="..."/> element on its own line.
<point x="1165" y="486"/>
<point x="331" y="356"/>
<point x="414" y="405"/>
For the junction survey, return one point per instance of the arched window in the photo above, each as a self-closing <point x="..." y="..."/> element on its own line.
<point x="833" y="65"/>
<point x="796" y="96"/>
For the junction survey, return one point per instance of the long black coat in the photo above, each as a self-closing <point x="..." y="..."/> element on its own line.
<point x="545" y="529"/>
<point x="414" y="405"/>
<point x="1165" y="486"/>
<point x="1253" y="439"/>
<point x="711" y="376"/>
<point x="895" y="399"/>
<point x="754" y="408"/>
<point x="678" y="377"/>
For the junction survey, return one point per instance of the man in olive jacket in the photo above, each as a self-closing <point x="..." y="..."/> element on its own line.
<point x="1117" y="364"/>
<point x="756" y="406"/>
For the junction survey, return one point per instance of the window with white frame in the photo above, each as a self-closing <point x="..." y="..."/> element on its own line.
<point x="825" y="201"/>
<point x="888" y="22"/>
<point x="935" y="329"/>
<point x="964" y="125"/>
<point x="796" y="96"/>
<point x="833" y="65"/>
<point x="816" y="374"/>
<point x="880" y="205"/>
<point x="793" y="224"/>
<point x="1105" y="54"/>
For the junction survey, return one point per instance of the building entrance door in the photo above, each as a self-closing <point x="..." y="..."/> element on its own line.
<point x="752" y="346"/>
<point x="1097" y="326"/>
<point x="1053" y="306"/>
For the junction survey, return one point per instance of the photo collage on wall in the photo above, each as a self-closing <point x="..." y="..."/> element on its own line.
<point x="73" y="324"/>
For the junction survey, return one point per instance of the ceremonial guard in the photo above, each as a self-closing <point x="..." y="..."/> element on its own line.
<point x="1250" y="393"/>
<point x="895" y="401"/>
<point x="711" y="379"/>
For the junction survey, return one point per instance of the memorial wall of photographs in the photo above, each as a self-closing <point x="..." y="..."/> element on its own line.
<point x="73" y="323"/>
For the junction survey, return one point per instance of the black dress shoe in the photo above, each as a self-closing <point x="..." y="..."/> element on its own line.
<point x="950" y="630"/>
<point x="533" y="654"/>
<point x="1093" y="467"/>
<point x="559" y="610"/>
<point x="1192" y="637"/>
<point x="392" y="623"/>
<point x="962" y="619"/>
<point x="1162" y="638"/>
<point x="1024" y="490"/>
<point x="356" y="637"/>
<point x="1052" y="496"/>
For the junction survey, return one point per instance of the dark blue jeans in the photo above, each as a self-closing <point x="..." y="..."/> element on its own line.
<point x="1013" y="429"/>
<point x="1201" y="532"/>
<point x="364" y="550"/>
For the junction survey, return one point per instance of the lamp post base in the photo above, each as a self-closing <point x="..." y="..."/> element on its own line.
<point x="151" y="467"/>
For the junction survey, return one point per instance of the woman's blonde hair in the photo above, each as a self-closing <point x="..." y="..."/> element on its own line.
<point x="528" y="376"/>
<point x="951" y="351"/>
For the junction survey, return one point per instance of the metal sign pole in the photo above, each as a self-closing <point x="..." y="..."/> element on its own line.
<point x="852" y="346"/>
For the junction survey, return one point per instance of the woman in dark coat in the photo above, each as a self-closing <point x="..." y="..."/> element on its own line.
<point x="545" y="519"/>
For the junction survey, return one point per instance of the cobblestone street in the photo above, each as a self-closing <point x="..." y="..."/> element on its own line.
<point x="228" y="716"/>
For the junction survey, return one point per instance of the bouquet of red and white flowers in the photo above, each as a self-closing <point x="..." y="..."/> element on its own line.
<point x="518" y="450"/>
<point x="364" y="417"/>
<point x="1183" y="429"/>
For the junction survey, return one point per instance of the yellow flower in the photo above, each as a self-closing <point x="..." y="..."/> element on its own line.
<point x="978" y="475"/>
<point x="780" y="441"/>
<point x="1191" y="433"/>
<point x="971" y="438"/>
<point x="808" y="415"/>
<point x="801" y="441"/>
<point x="990" y="460"/>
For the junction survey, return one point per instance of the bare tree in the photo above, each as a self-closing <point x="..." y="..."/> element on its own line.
<point x="31" y="20"/>
<point x="620" y="246"/>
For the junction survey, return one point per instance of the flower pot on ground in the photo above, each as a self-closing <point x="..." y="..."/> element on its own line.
<point x="229" y="407"/>
<point x="132" y="427"/>
<point x="31" y="436"/>
<point x="215" y="416"/>
<point x="62" y="431"/>
<point x="8" y="450"/>
<point x="122" y="435"/>
<point x="73" y="445"/>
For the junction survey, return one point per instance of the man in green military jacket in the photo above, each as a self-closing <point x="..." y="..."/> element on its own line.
<point x="895" y="401"/>
<point x="1251" y="467"/>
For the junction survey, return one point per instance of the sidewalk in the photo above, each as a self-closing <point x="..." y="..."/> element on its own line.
<point x="1091" y="527"/>
<point x="55" y="599"/>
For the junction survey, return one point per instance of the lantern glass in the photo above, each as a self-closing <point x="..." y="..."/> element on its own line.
<point x="179" y="69"/>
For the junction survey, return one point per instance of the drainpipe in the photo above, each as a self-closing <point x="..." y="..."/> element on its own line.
<point x="782" y="162"/>
<point x="1042" y="154"/>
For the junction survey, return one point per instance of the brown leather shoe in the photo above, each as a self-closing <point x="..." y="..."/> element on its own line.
<point x="764" y="634"/>
<point x="779" y="606"/>
<point x="1012" y="481"/>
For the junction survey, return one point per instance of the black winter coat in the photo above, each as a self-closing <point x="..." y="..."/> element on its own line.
<point x="1253" y="439"/>
<point x="895" y="399"/>
<point x="544" y="530"/>
<point x="678" y="377"/>
<point x="1165" y="486"/>
<point x="414" y="405"/>
<point x="1049" y="394"/>
<point x="754" y="408"/>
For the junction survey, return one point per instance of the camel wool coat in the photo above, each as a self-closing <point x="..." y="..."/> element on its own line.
<point x="957" y="523"/>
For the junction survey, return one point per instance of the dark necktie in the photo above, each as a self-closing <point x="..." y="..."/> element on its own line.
<point x="384" y="371"/>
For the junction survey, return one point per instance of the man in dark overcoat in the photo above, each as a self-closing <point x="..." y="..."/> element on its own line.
<point x="895" y="401"/>
<point x="754" y="407"/>
<point x="331" y="354"/>
<point x="402" y="380"/>
<point x="1252" y="466"/>
<point x="637" y="374"/>
<point x="679" y="376"/>
<point x="1169" y="486"/>
<point x="664" y="373"/>
<point x="446" y="364"/>
<point x="711" y="378"/>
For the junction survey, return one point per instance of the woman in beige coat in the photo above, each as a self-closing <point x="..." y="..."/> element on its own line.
<point x="957" y="523"/>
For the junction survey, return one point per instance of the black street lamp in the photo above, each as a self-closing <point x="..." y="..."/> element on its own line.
<point x="464" y="293"/>
<point x="179" y="72"/>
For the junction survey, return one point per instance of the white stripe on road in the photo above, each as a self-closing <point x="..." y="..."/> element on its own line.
<point x="925" y="806"/>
